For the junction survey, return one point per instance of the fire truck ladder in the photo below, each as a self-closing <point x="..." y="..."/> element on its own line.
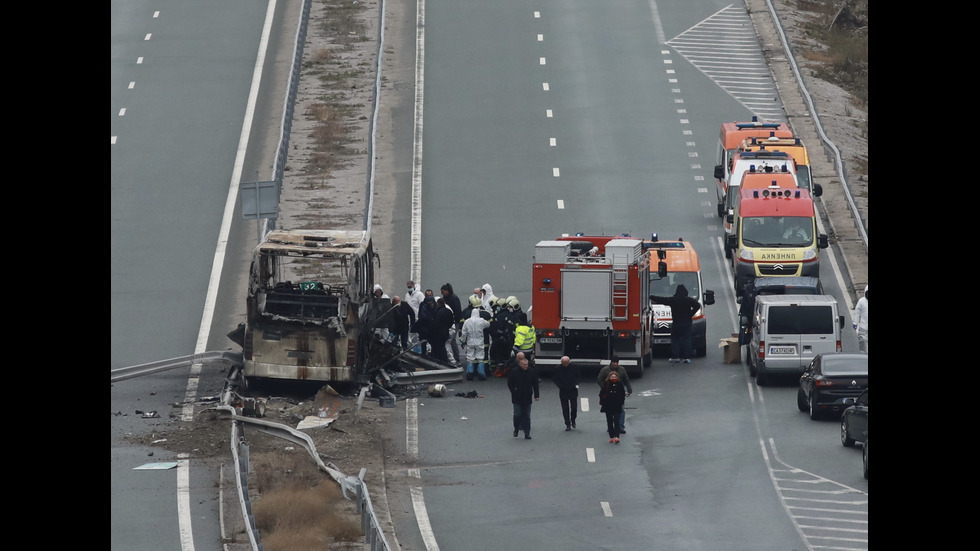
<point x="620" y="292"/>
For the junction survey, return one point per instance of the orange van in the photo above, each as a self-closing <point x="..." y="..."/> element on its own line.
<point x="730" y="138"/>
<point x="792" y="146"/>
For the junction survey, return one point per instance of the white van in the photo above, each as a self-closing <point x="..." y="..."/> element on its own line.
<point x="789" y="330"/>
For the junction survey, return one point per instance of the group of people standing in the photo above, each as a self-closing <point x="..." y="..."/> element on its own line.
<point x="485" y="335"/>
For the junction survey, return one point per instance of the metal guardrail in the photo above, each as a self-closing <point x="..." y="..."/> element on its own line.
<point x="353" y="487"/>
<point x="228" y="358"/>
<point x="838" y="162"/>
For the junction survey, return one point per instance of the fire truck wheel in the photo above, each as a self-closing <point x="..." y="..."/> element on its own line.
<point x="648" y="359"/>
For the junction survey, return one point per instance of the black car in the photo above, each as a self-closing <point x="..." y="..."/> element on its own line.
<point x="854" y="421"/>
<point x="829" y="381"/>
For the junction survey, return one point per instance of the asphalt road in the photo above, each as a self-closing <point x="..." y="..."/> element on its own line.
<point x="540" y="120"/>
<point x="569" y="117"/>
<point x="181" y="78"/>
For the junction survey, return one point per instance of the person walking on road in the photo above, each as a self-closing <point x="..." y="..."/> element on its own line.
<point x="624" y="379"/>
<point x="611" y="400"/>
<point x="523" y="385"/>
<point x="565" y="377"/>
<point x="860" y="321"/>
<point x="682" y="310"/>
<point x="473" y="335"/>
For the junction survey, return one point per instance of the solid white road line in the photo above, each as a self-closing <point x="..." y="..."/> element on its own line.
<point x="184" y="502"/>
<point x="204" y="331"/>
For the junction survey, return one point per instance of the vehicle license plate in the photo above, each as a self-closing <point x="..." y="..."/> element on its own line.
<point x="782" y="349"/>
<point x="661" y="341"/>
<point x="550" y="340"/>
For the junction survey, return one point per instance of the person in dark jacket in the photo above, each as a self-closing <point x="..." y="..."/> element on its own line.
<point x="453" y="302"/>
<point x="442" y="323"/>
<point x="565" y="377"/>
<point x="523" y="384"/>
<point x="404" y="320"/>
<point x="682" y="310"/>
<point x="611" y="399"/>
<point x="423" y="325"/>
<point x="624" y="379"/>
<point x="501" y="338"/>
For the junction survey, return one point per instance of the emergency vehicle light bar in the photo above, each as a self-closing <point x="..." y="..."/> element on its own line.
<point x="745" y="125"/>
<point x="753" y="169"/>
<point x="774" y="191"/>
<point x="775" y="140"/>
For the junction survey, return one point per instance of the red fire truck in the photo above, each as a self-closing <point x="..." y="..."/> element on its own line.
<point x="590" y="299"/>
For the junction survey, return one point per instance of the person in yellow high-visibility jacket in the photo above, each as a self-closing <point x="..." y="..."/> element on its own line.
<point x="524" y="338"/>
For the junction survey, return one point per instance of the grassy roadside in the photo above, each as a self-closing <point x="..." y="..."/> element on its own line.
<point x="840" y="28"/>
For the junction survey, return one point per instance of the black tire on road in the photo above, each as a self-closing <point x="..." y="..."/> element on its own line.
<point x="801" y="401"/>
<point x="814" y="413"/>
<point x="844" y="438"/>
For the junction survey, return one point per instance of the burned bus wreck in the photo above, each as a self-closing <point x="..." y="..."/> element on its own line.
<point x="308" y="294"/>
<point x="309" y="312"/>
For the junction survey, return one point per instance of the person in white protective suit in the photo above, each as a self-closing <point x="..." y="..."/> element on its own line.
<point x="472" y="337"/>
<point x="861" y="321"/>
<point x="489" y="299"/>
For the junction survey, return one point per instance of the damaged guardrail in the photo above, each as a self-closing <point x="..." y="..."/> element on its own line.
<point x="350" y="485"/>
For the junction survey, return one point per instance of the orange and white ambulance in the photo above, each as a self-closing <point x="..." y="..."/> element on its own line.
<point x="730" y="137"/>
<point x="768" y="162"/>
<point x="775" y="234"/>
<point x="792" y="146"/>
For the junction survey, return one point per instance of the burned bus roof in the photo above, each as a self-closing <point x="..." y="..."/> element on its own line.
<point x="321" y="242"/>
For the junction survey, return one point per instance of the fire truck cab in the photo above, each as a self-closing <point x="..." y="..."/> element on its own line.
<point x="775" y="234"/>
<point x="590" y="297"/>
